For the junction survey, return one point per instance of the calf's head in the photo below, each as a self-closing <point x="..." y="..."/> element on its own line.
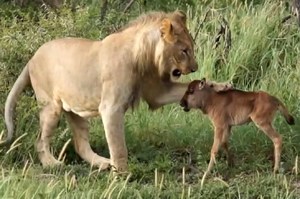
<point x="192" y="95"/>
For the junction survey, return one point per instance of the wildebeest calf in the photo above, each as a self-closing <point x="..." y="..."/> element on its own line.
<point x="235" y="107"/>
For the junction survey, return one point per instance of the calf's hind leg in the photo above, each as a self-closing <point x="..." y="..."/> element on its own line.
<point x="276" y="138"/>
<point x="49" y="116"/>
<point x="80" y="131"/>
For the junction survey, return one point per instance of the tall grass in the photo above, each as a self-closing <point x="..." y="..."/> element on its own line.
<point x="264" y="55"/>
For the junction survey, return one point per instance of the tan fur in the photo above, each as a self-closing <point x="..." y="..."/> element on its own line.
<point x="234" y="107"/>
<point x="85" y="78"/>
<point x="219" y="86"/>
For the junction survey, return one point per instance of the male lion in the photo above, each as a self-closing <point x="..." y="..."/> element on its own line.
<point x="235" y="107"/>
<point x="85" y="78"/>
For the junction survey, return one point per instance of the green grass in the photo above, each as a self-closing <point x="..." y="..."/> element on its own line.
<point x="168" y="148"/>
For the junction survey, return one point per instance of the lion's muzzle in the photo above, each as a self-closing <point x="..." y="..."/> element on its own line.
<point x="187" y="70"/>
<point x="194" y="68"/>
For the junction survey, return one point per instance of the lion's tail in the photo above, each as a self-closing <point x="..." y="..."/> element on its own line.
<point x="11" y="101"/>
<point x="283" y="110"/>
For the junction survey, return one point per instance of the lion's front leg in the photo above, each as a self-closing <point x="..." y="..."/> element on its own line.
<point x="168" y="93"/>
<point x="172" y="92"/>
<point x="113" y="122"/>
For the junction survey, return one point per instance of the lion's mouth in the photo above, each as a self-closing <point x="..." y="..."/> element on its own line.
<point x="176" y="73"/>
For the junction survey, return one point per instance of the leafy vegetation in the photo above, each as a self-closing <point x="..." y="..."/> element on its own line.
<point x="168" y="148"/>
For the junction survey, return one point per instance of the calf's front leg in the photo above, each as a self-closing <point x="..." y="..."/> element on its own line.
<point x="218" y="134"/>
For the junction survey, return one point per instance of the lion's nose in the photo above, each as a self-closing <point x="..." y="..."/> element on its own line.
<point x="194" y="68"/>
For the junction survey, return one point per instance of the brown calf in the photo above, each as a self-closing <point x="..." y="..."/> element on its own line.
<point x="235" y="107"/>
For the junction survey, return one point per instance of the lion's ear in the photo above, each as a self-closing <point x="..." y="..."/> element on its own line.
<point x="181" y="15"/>
<point x="166" y="30"/>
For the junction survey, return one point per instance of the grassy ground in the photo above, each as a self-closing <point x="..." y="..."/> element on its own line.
<point x="168" y="148"/>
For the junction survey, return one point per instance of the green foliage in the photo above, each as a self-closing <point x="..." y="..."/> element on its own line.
<point x="264" y="55"/>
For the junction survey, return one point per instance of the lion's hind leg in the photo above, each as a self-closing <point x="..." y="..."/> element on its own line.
<point x="80" y="131"/>
<point x="49" y="117"/>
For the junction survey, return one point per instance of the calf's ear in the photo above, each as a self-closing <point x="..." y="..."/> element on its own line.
<point x="202" y="83"/>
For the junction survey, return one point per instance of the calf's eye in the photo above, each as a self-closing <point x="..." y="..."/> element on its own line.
<point x="185" y="51"/>
<point x="190" y="91"/>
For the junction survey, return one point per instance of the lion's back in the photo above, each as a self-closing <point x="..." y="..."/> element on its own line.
<point x="65" y="45"/>
<point x="59" y="62"/>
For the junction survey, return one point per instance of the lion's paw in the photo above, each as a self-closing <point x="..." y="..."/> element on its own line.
<point x="102" y="163"/>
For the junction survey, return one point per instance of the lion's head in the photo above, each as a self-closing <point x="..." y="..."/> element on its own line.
<point x="162" y="39"/>
<point x="176" y="47"/>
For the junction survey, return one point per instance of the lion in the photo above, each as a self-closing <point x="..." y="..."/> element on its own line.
<point x="235" y="107"/>
<point x="84" y="78"/>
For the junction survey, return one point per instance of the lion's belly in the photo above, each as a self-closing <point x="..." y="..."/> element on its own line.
<point x="81" y="111"/>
